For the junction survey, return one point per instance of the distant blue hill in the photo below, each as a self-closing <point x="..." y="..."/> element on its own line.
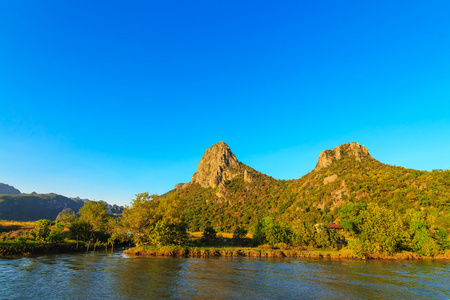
<point x="31" y="207"/>
<point x="9" y="190"/>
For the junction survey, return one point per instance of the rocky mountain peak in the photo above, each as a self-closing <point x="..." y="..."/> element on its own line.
<point x="353" y="149"/>
<point x="216" y="166"/>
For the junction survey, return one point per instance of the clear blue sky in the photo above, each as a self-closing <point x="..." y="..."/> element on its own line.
<point x="106" y="99"/>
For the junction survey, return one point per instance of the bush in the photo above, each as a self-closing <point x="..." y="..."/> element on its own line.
<point x="160" y="234"/>
<point x="209" y="234"/>
<point x="239" y="233"/>
<point x="270" y="232"/>
<point x="23" y="238"/>
<point x="42" y="230"/>
<point x="304" y="235"/>
<point x="380" y="232"/>
<point x="56" y="235"/>
<point x="80" y="230"/>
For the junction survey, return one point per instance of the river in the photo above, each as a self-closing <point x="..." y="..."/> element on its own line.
<point x="118" y="276"/>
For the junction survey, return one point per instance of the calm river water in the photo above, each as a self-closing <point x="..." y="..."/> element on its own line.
<point x="118" y="276"/>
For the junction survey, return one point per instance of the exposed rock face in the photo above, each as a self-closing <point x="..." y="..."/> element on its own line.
<point x="179" y="186"/>
<point x="337" y="194"/>
<point x="247" y="178"/>
<point x="353" y="149"/>
<point x="6" y="189"/>
<point x="65" y="213"/>
<point x="330" y="179"/>
<point x="216" y="166"/>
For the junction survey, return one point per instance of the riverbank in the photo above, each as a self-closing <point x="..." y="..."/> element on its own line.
<point x="189" y="251"/>
<point x="38" y="248"/>
<point x="29" y="248"/>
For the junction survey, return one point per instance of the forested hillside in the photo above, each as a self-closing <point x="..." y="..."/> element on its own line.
<point x="347" y="187"/>
<point x="317" y="196"/>
<point x="350" y="200"/>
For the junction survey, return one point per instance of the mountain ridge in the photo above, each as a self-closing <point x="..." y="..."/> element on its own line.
<point x="6" y="189"/>
<point x="345" y="175"/>
<point x="34" y="206"/>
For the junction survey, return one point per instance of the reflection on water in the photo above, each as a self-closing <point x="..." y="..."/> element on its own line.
<point x="118" y="276"/>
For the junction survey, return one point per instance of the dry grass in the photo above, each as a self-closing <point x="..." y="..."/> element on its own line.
<point x="15" y="225"/>
<point x="186" y="251"/>
<point x="227" y="235"/>
<point x="445" y="255"/>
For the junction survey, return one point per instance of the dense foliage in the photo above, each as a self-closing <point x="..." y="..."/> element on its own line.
<point x="383" y="209"/>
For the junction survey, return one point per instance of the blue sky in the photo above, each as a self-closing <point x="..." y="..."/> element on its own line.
<point x="108" y="99"/>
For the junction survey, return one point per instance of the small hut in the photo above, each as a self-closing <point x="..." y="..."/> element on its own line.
<point x="335" y="226"/>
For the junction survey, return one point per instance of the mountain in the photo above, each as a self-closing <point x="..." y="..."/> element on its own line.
<point x="226" y="193"/>
<point x="113" y="209"/>
<point x="32" y="207"/>
<point x="8" y="190"/>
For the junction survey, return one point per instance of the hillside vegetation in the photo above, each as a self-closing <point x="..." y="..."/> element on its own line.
<point x="383" y="208"/>
<point x="349" y="203"/>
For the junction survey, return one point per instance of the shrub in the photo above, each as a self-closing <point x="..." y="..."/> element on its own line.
<point x="42" y="230"/>
<point x="239" y="233"/>
<point x="209" y="234"/>
<point x="270" y="232"/>
<point x="160" y="234"/>
<point x="80" y="230"/>
<point x="56" y="235"/>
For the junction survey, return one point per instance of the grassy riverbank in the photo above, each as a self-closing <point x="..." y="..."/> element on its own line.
<point x="30" y="247"/>
<point x="190" y="251"/>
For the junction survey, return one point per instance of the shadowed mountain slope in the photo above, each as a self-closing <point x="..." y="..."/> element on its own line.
<point x="32" y="207"/>
<point x="6" y="189"/>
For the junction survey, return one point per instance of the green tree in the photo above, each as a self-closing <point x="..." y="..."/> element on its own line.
<point x="138" y="219"/>
<point x="424" y="237"/>
<point x="304" y="235"/>
<point x="326" y="237"/>
<point x="56" y="234"/>
<point x="42" y="230"/>
<point x="381" y="231"/>
<point x="81" y="230"/>
<point x="209" y="234"/>
<point x="23" y="238"/>
<point x="160" y="234"/>
<point x="239" y="233"/>
<point x="268" y="231"/>
<point x="96" y="214"/>
<point x="350" y="215"/>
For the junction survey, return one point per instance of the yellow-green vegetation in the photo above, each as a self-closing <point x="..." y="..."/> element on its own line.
<point x="33" y="247"/>
<point x="42" y="236"/>
<point x="92" y="227"/>
<point x="268" y="251"/>
<point x="191" y="251"/>
<point x="385" y="212"/>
